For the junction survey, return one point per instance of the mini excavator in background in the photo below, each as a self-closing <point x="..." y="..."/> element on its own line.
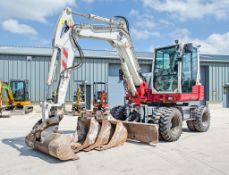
<point x="82" y="97"/>
<point x="17" y="97"/>
<point x="157" y="103"/>
<point x="100" y="96"/>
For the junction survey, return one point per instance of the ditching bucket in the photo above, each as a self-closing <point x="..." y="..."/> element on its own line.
<point x="98" y="134"/>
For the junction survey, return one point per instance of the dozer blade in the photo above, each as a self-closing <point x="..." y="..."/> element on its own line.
<point x="146" y="133"/>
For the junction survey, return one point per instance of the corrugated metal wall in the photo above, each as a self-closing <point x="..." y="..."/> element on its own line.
<point x="218" y="77"/>
<point x="94" y="69"/>
<point x="36" y="72"/>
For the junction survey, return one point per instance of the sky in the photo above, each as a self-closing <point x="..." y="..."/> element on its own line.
<point x="153" y="23"/>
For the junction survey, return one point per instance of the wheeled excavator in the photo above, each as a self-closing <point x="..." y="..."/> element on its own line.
<point x="155" y="103"/>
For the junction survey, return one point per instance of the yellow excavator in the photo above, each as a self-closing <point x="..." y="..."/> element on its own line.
<point x="17" y="97"/>
<point x="82" y="97"/>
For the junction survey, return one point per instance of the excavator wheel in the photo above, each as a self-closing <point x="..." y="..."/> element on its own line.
<point x="118" y="112"/>
<point x="28" y="109"/>
<point x="190" y="124"/>
<point x="202" y="120"/>
<point x="154" y="119"/>
<point x="134" y="116"/>
<point x="170" y="125"/>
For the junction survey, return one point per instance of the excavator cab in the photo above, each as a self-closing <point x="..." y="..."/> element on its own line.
<point x="175" y="69"/>
<point x="20" y="91"/>
<point x="100" y="100"/>
<point x="18" y="96"/>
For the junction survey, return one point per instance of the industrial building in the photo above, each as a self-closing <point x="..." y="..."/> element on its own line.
<point x="32" y="64"/>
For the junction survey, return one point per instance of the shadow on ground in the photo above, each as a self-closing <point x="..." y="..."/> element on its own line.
<point x="18" y="143"/>
<point x="160" y="139"/>
<point x="187" y="130"/>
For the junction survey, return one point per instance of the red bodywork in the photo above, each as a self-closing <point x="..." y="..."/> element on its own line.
<point x="145" y="95"/>
<point x="102" y="102"/>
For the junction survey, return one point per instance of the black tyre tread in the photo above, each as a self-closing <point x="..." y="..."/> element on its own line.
<point x="134" y="116"/>
<point x="118" y="112"/>
<point x="157" y="115"/>
<point x="164" y="125"/>
<point x="190" y="124"/>
<point x="198" y="121"/>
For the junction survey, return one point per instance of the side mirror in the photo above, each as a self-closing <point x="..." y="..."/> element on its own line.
<point x="188" y="47"/>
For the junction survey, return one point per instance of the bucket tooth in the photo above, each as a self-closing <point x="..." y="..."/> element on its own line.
<point x="103" y="136"/>
<point x="86" y="134"/>
<point x="118" y="138"/>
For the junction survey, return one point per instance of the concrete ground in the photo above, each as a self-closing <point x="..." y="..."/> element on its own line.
<point x="194" y="153"/>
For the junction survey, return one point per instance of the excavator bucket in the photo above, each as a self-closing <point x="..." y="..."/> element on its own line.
<point x="98" y="134"/>
<point x="57" y="145"/>
<point x="103" y="137"/>
<point x="86" y="133"/>
<point x="54" y="144"/>
<point x="119" y="136"/>
<point x="90" y="134"/>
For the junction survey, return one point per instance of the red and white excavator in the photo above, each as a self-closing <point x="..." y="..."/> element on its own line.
<point x="155" y="103"/>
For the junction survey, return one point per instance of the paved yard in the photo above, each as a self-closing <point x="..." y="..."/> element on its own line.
<point x="194" y="153"/>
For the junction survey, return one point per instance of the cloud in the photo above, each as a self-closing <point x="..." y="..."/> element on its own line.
<point x="143" y="34"/>
<point x="214" y="44"/>
<point x="14" y="26"/>
<point x="180" y="33"/>
<point x="143" y="20"/>
<point x="133" y="12"/>
<point x="147" y="23"/>
<point x="32" y="9"/>
<point x="143" y="25"/>
<point x="190" y="9"/>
